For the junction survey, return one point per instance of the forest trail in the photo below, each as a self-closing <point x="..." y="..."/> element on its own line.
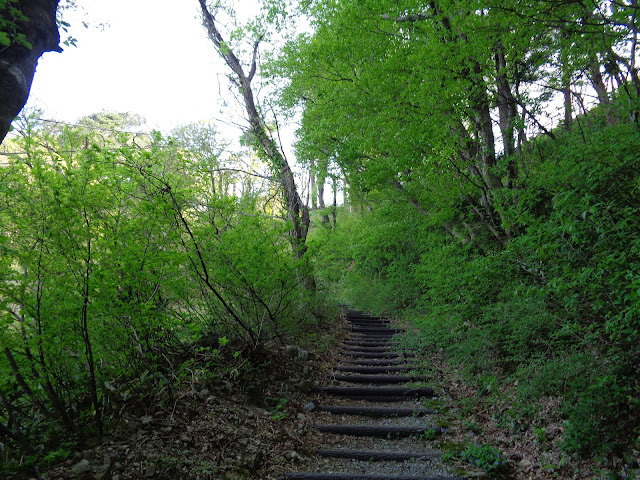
<point x="373" y="424"/>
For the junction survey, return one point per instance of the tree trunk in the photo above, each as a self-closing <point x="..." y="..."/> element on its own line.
<point x="601" y="89"/>
<point x="334" y="210"/>
<point x="322" y="177"/>
<point x="84" y="324"/>
<point x="508" y="113"/>
<point x="482" y="118"/>
<point x="18" y="63"/>
<point x="297" y="213"/>
<point x="313" y="189"/>
<point x="566" y="90"/>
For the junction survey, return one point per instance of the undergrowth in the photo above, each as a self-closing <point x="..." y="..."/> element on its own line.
<point x="555" y="310"/>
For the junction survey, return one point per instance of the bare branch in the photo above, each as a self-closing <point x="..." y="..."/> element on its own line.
<point x="225" y="52"/>
<point x="237" y="170"/>
<point x="254" y="63"/>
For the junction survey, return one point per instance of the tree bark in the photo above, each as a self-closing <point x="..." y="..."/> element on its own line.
<point x="313" y="189"/>
<point x="322" y="177"/>
<point x="334" y="209"/>
<point x="84" y="326"/>
<point x="18" y="63"/>
<point x="508" y="113"/>
<point x="601" y="89"/>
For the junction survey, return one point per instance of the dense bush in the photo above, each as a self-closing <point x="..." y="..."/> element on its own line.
<point x="121" y="266"/>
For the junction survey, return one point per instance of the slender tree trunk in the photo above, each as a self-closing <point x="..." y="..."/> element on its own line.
<point x="471" y="70"/>
<point x="334" y="210"/>
<point x="313" y="190"/>
<point x="601" y="89"/>
<point x="508" y="113"/>
<point x="566" y="92"/>
<point x="84" y="318"/>
<point x="322" y="180"/>
<point x="297" y="213"/>
<point x="507" y="110"/>
<point x="13" y="428"/>
<point x="484" y="125"/>
<point x="24" y="385"/>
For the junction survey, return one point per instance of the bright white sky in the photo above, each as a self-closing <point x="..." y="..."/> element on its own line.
<point x="153" y="58"/>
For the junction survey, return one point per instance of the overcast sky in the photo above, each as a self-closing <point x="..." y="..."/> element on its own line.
<point x="152" y="58"/>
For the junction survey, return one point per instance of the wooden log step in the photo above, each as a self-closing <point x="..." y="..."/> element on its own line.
<point x="379" y="321"/>
<point x="369" y="323"/>
<point x="359" y="476"/>
<point x="384" y="379"/>
<point x="377" y="398"/>
<point x="378" y="431"/>
<point x="372" y="369"/>
<point x="373" y="338"/>
<point x="403" y="392"/>
<point x="362" y="354"/>
<point x="384" y="330"/>
<point x="373" y="456"/>
<point x="368" y="319"/>
<point x="363" y="315"/>
<point x="376" y="361"/>
<point x="371" y="329"/>
<point x="377" y="412"/>
<point x="365" y="345"/>
<point x="366" y="348"/>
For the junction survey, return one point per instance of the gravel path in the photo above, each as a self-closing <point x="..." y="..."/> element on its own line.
<point x="361" y="442"/>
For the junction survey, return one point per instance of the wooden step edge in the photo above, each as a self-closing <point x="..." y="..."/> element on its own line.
<point x="378" y="431"/>
<point x="367" y="323"/>
<point x="378" y="412"/>
<point x="377" y="354"/>
<point x="382" y="321"/>
<point x="375" y="330"/>
<point x="367" y="348"/>
<point x="373" y="369"/>
<point x="375" y="456"/>
<point x="373" y="362"/>
<point x="378" y="378"/>
<point x="379" y="398"/>
<point x="378" y="337"/>
<point x="409" y="392"/>
<point x="359" y="476"/>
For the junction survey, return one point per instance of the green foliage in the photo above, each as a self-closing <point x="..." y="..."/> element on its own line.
<point x="11" y="21"/>
<point x="517" y="256"/>
<point x="486" y="457"/>
<point x="126" y="273"/>
<point x="554" y="310"/>
<point x="279" y="410"/>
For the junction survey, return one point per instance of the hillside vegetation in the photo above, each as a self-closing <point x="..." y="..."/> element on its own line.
<point x="553" y="311"/>
<point x="490" y="153"/>
<point x="134" y="269"/>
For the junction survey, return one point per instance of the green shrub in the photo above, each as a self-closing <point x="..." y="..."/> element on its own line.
<point x="486" y="457"/>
